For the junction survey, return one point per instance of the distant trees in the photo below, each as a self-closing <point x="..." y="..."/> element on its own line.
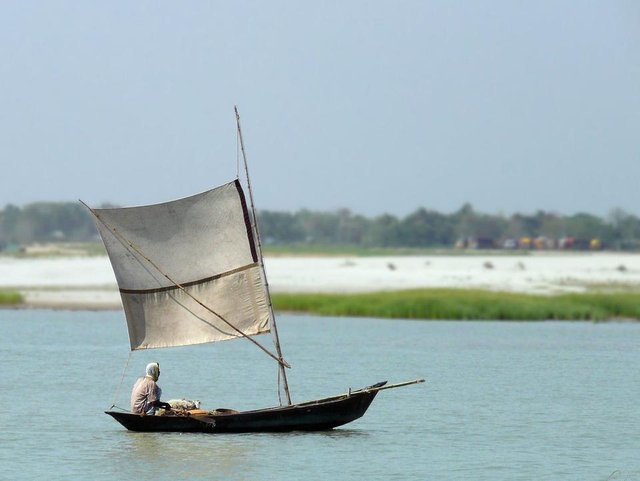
<point x="50" y="222"/>
<point x="284" y="228"/>
<point x="45" y="221"/>
<point x="625" y="230"/>
<point x="425" y="227"/>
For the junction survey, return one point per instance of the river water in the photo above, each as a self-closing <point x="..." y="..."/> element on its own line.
<point x="502" y="400"/>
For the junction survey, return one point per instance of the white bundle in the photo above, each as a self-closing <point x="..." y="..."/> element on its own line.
<point x="184" y="404"/>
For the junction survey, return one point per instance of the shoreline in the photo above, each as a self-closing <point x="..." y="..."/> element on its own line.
<point x="427" y="304"/>
<point x="88" y="283"/>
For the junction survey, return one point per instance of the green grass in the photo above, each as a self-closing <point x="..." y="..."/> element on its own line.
<point x="10" y="298"/>
<point x="461" y="304"/>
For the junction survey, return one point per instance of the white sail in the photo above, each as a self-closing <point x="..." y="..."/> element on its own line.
<point x="204" y="243"/>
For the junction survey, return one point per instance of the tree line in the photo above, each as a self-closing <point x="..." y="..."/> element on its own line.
<point x="424" y="228"/>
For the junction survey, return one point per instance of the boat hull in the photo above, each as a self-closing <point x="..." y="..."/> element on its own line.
<point x="317" y="415"/>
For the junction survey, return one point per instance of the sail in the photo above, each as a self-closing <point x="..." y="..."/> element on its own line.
<point x="205" y="243"/>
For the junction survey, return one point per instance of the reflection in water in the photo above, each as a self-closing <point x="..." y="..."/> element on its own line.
<point x="338" y="433"/>
<point x="216" y="456"/>
<point x="182" y="456"/>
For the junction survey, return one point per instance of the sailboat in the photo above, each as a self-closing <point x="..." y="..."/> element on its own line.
<point x="191" y="271"/>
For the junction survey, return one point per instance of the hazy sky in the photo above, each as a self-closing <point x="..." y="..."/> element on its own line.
<point x="376" y="106"/>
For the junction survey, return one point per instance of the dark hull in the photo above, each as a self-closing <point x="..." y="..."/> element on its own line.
<point x="317" y="415"/>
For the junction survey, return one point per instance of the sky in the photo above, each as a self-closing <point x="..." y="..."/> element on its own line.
<point x="374" y="106"/>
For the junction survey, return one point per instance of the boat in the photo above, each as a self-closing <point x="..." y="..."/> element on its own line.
<point x="319" y="415"/>
<point x="191" y="271"/>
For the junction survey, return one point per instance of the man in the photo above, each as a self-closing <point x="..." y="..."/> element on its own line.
<point x="145" y="396"/>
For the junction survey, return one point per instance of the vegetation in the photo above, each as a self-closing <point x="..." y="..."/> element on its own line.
<point x="342" y="231"/>
<point x="10" y="298"/>
<point x="45" y="221"/>
<point x="429" y="229"/>
<point x="464" y="304"/>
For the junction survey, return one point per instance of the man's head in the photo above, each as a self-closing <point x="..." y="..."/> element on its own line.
<point x="153" y="370"/>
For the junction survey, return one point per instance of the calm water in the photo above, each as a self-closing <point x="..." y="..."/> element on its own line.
<point x="502" y="401"/>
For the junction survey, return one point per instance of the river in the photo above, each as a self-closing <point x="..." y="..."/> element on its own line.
<point x="502" y="400"/>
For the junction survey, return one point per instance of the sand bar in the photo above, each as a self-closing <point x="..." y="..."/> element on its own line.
<point x="88" y="282"/>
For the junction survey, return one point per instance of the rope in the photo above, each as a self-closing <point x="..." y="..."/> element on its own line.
<point x="124" y="371"/>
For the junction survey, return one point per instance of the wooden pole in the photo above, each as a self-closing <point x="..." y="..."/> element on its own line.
<point x="390" y="386"/>
<point x="264" y="273"/>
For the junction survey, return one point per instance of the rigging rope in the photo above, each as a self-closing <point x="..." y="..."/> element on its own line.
<point x="124" y="371"/>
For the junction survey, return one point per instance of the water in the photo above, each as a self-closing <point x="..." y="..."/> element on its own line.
<point x="502" y="401"/>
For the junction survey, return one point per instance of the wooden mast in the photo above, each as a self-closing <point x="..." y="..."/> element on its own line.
<point x="259" y="246"/>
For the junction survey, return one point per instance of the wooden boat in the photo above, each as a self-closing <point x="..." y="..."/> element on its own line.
<point x="191" y="271"/>
<point x="318" y="415"/>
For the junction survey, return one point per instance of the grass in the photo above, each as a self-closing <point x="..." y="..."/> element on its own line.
<point x="463" y="304"/>
<point x="8" y="298"/>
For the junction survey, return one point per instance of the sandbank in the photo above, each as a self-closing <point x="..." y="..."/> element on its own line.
<point x="89" y="283"/>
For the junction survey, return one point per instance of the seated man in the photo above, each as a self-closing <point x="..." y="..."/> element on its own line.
<point x="145" y="396"/>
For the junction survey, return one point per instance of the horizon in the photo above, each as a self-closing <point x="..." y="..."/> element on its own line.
<point x="505" y="215"/>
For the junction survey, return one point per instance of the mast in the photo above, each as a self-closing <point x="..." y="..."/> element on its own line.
<point x="283" y="372"/>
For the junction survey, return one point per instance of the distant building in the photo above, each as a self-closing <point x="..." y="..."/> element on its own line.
<point x="485" y="243"/>
<point x="475" y="243"/>
<point x="510" y="243"/>
<point x="524" y="242"/>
